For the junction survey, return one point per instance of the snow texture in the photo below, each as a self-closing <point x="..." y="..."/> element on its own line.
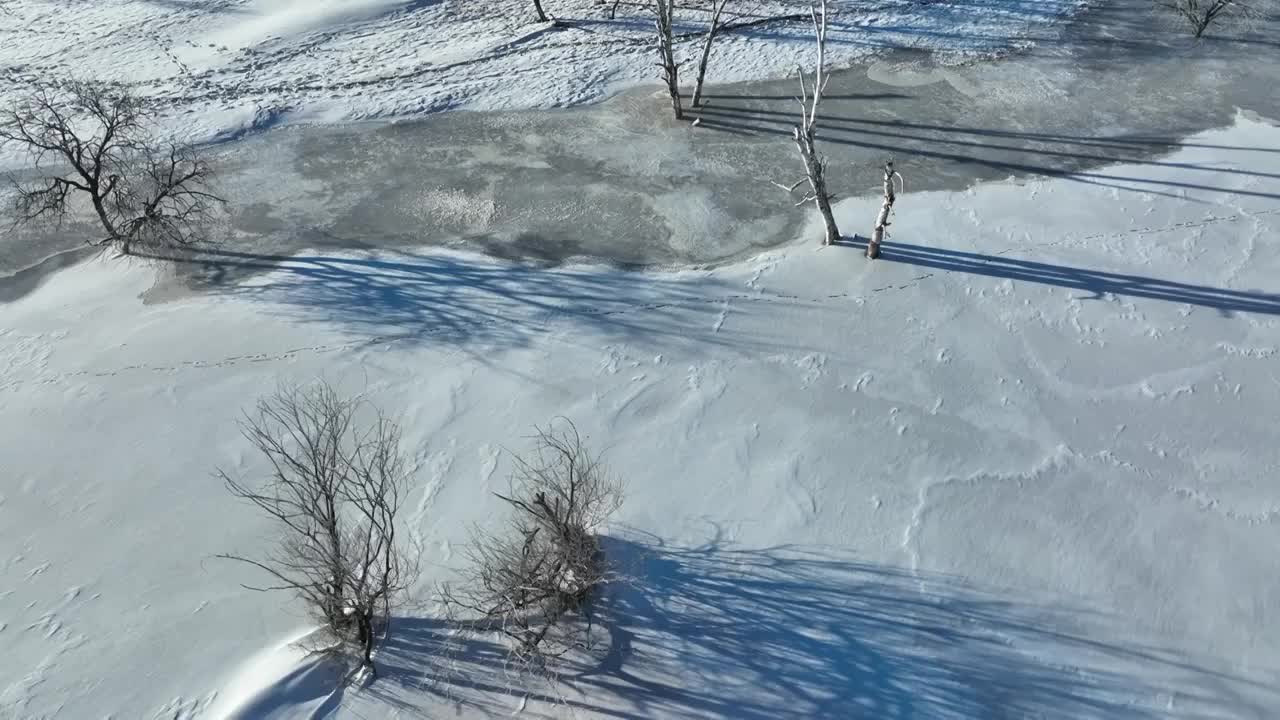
<point x="1023" y="466"/>
<point x="220" y="67"/>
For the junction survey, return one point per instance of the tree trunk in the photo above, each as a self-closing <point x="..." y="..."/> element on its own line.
<point x="365" y="635"/>
<point x="706" y="52"/>
<point x="666" y="53"/>
<point x="673" y="88"/>
<point x="99" y="207"/>
<point x="804" y="132"/>
<point x="882" y="219"/>
<point x="828" y="218"/>
<point x="816" y="174"/>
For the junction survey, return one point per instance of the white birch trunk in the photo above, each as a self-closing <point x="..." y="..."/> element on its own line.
<point x="815" y="173"/>
<point x="706" y="51"/>
<point x="666" y="53"/>
<point x="805" y="132"/>
<point x="882" y="219"/>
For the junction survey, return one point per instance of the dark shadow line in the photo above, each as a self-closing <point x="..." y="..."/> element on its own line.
<point x="719" y="125"/>
<point x="789" y="98"/>
<point x="1096" y="282"/>
<point x="746" y="114"/>
<point x="1157" y="142"/>
<point x="1090" y="178"/>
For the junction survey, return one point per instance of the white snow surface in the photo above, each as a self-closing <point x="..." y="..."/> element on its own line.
<point x="1028" y="468"/>
<point x="217" y="67"/>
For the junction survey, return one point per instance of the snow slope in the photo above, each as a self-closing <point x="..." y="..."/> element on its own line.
<point x="217" y="66"/>
<point x="1024" y="466"/>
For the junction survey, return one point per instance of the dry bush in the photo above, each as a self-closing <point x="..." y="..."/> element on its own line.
<point x="533" y="581"/>
<point x="333" y="492"/>
<point x="100" y="142"/>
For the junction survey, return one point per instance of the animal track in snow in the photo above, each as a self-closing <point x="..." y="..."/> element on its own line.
<point x="437" y="466"/>
<point x="812" y="366"/>
<point x="720" y="317"/>
<point x="489" y="463"/>
<point x="1256" y="353"/>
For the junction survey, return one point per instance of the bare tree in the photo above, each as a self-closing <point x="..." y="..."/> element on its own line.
<point x="534" y="580"/>
<point x="333" y="492"/>
<point x="98" y="141"/>
<point x="815" y="167"/>
<point x="1200" y="14"/>
<point x="882" y="218"/>
<point x="665" y="23"/>
<point x="717" y="8"/>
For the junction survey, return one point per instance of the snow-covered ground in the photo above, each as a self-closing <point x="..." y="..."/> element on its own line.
<point x="218" y="66"/>
<point x="1024" y="466"/>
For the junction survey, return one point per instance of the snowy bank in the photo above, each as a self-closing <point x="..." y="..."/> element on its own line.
<point x="1025" y="464"/>
<point x="220" y="66"/>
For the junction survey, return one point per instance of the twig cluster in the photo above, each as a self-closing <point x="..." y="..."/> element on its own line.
<point x="534" y="580"/>
<point x="96" y="140"/>
<point x="333" y="493"/>
<point x="1200" y="14"/>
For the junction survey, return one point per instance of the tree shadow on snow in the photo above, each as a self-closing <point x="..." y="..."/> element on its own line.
<point x="316" y="684"/>
<point x="1044" y="154"/>
<point x="458" y="300"/>
<point x="756" y="634"/>
<point x="1097" y="283"/>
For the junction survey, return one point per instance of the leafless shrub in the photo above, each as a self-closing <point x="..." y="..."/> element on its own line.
<point x="333" y="492"/>
<point x="533" y="581"/>
<point x="91" y="139"/>
<point x="805" y="133"/>
<point x="1200" y="14"/>
<point x="717" y="7"/>
<point x="665" y="23"/>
